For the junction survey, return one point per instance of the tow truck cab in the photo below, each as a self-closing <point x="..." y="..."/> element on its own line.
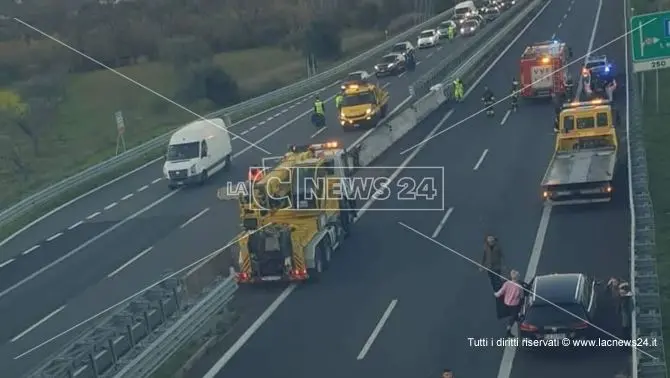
<point x="543" y="71"/>
<point x="583" y="166"/>
<point x="363" y="105"/>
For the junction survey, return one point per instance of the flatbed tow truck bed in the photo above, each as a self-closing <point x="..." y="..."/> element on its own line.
<point x="581" y="176"/>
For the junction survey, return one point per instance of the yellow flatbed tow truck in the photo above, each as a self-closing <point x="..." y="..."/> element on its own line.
<point x="363" y="105"/>
<point x="295" y="214"/>
<point x="585" y="157"/>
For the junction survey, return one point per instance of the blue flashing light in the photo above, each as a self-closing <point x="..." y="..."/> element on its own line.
<point x="607" y="68"/>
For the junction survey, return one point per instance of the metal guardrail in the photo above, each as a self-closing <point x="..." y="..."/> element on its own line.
<point x="647" y="322"/>
<point x="101" y="347"/>
<point x="233" y="113"/>
<point x="180" y="333"/>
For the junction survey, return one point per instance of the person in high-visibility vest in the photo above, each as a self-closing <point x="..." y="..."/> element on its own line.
<point x="318" y="106"/>
<point x="451" y="32"/>
<point x="458" y="90"/>
<point x="338" y="100"/>
<point x="319" y="116"/>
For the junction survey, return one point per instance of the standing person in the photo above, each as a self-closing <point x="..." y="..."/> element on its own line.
<point x="458" y="90"/>
<point x="492" y="261"/>
<point x="338" y="100"/>
<point x="512" y="294"/>
<point x="319" y="116"/>
<point x="447" y="373"/>
<point x="451" y="32"/>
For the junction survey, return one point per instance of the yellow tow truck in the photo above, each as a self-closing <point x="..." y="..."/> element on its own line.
<point x="585" y="156"/>
<point x="363" y="105"/>
<point x="296" y="212"/>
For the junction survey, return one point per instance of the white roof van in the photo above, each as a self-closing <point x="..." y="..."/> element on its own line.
<point x="465" y="9"/>
<point x="197" y="151"/>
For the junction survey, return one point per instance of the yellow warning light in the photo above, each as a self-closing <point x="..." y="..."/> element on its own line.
<point x="545" y="60"/>
<point x="597" y="102"/>
<point x="331" y="145"/>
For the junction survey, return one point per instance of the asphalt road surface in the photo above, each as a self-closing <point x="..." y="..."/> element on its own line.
<point x="395" y="303"/>
<point x="106" y="246"/>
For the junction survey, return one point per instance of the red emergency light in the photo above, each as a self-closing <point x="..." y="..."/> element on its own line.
<point x="255" y="173"/>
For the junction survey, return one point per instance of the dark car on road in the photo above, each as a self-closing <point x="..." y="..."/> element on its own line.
<point x="391" y="64"/>
<point x="559" y="306"/>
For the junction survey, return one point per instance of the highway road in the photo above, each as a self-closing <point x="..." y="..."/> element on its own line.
<point x="106" y="246"/>
<point x="401" y="299"/>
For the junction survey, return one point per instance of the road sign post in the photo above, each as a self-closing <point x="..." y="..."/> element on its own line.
<point x="120" y="131"/>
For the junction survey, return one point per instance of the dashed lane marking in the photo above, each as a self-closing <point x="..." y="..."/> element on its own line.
<point x="156" y="180"/>
<point x="27" y="251"/>
<point x="145" y="187"/>
<point x="93" y="215"/>
<point x="79" y="223"/>
<point x="127" y="196"/>
<point x="5" y="263"/>
<point x="110" y="206"/>
<point x="54" y="236"/>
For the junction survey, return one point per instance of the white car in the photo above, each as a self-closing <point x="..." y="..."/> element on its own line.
<point x="354" y="77"/>
<point x="428" y="38"/>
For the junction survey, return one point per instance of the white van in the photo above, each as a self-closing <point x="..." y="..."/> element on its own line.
<point x="197" y="151"/>
<point x="465" y="9"/>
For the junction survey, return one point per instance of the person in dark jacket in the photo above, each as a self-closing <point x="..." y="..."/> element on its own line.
<point x="492" y="261"/>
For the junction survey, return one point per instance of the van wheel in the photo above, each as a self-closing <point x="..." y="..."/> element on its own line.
<point x="226" y="163"/>
<point x="203" y="177"/>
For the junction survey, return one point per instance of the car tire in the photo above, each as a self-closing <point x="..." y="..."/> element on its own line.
<point x="203" y="178"/>
<point x="226" y="163"/>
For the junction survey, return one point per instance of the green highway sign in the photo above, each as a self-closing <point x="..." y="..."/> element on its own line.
<point x="650" y="39"/>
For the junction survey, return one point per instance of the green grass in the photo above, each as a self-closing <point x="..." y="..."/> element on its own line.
<point x="84" y="130"/>
<point x="657" y="144"/>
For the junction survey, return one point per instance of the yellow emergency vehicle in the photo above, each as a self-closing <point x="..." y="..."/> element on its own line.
<point x="585" y="155"/>
<point x="363" y="105"/>
<point x="296" y="212"/>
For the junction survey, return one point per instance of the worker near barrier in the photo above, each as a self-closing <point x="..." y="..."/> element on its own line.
<point x="458" y="90"/>
<point x="338" y="100"/>
<point x="451" y="32"/>
<point x="319" y="116"/>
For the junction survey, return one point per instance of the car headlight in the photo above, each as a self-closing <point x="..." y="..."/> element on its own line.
<point x="192" y="169"/>
<point x="368" y="111"/>
<point x="377" y="67"/>
<point x="472" y="29"/>
<point x="342" y="115"/>
<point x="462" y="30"/>
<point x="391" y="65"/>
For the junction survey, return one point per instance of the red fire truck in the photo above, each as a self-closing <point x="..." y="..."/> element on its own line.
<point x="543" y="71"/>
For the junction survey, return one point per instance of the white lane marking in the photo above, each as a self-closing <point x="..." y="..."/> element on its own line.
<point x="443" y="221"/>
<point x="87" y="243"/>
<point x="145" y="187"/>
<point x="93" y="215"/>
<point x="402" y="74"/>
<point x="570" y="7"/>
<point x="417" y="63"/>
<point x="156" y="180"/>
<point x="385" y="85"/>
<point x="507" y="113"/>
<point x="565" y="16"/>
<point x="481" y="77"/>
<point x="79" y="223"/>
<point x="377" y="330"/>
<point x="429" y="55"/>
<point x="319" y="131"/>
<point x="111" y="205"/>
<point x="560" y="24"/>
<point x="248" y="333"/>
<point x="269" y="119"/>
<point x="261" y="123"/>
<point x="54" y="236"/>
<point x="253" y="127"/>
<point x="127" y="196"/>
<point x="505" y="370"/>
<point x="124" y="266"/>
<point x="234" y="138"/>
<point x="5" y="263"/>
<point x="589" y="49"/>
<point x="193" y="218"/>
<point x="481" y="160"/>
<point x="40" y="322"/>
<point x="284" y="111"/>
<point x="70" y="202"/>
<point x="31" y="249"/>
<point x="553" y="36"/>
<point x="244" y="132"/>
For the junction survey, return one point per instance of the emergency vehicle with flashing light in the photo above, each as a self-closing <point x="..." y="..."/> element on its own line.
<point x="599" y="77"/>
<point x="585" y="155"/>
<point x="543" y="71"/>
<point x="355" y="78"/>
<point x="295" y="214"/>
<point x="363" y="105"/>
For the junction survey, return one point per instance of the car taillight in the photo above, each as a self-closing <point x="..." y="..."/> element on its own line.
<point x="299" y="273"/>
<point x="527" y="327"/>
<point x="242" y="277"/>
<point x="580" y="325"/>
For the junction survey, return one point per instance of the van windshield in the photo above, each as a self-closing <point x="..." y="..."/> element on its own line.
<point x="183" y="151"/>
<point x="462" y="11"/>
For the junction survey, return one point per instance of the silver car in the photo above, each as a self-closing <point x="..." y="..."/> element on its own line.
<point x="469" y="27"/>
